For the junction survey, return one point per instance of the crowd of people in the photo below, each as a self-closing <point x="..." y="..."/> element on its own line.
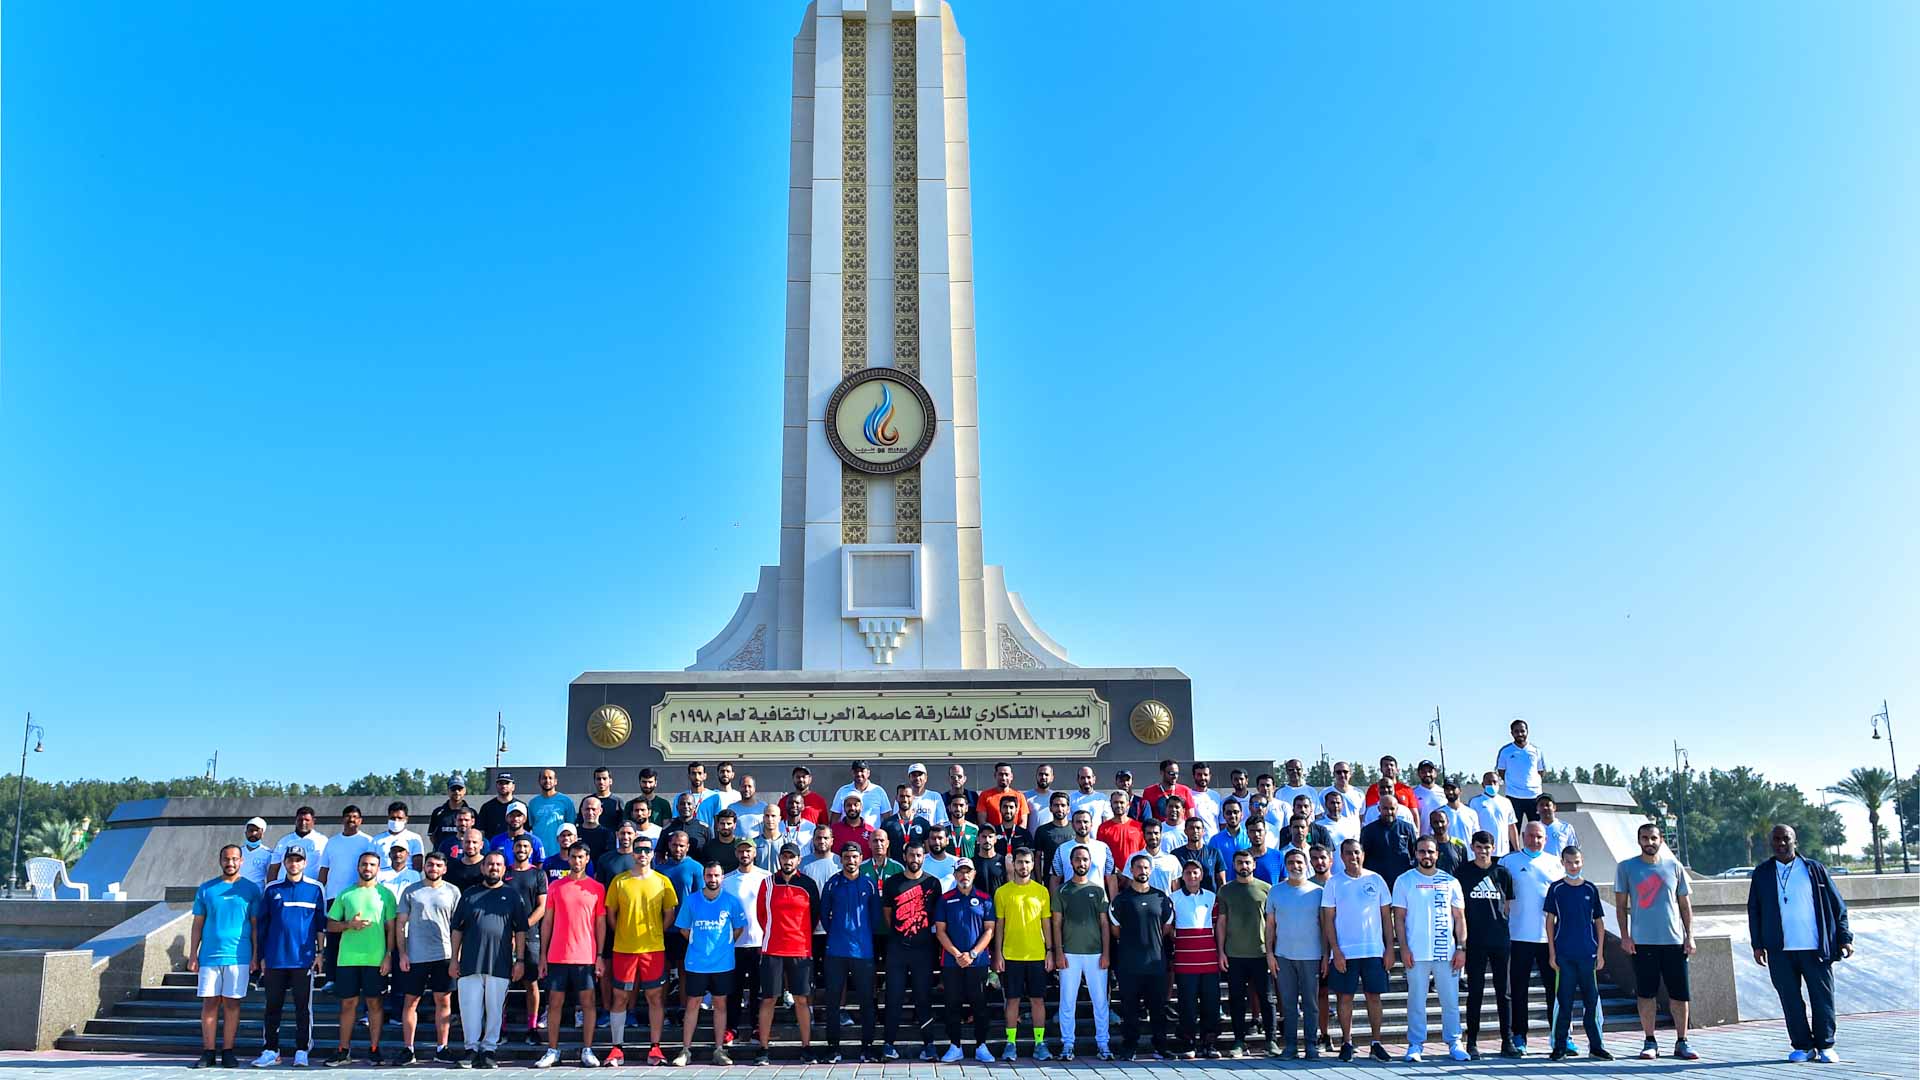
<point x="846" y="909"/>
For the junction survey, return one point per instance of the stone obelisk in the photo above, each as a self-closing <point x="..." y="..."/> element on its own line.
<point x="881" y="562"/>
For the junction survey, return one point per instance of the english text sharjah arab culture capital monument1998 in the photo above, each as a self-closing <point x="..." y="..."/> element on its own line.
<point x="881" y="633"/>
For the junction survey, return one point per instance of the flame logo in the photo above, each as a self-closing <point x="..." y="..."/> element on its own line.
<point x="879" y="428"/>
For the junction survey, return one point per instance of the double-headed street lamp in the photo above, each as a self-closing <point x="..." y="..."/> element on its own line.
<point x="1683" y="773"/>
<point x="1438" y="737"/>
<point x="1883" y="717"/>
<point x="36" y="735"/>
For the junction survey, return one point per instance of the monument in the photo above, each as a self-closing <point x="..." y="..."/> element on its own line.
<point x="881" y="632"/>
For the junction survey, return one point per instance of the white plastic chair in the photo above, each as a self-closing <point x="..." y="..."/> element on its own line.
<point x="43" y="875"/>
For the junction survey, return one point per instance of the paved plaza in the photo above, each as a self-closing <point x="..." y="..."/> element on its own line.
<point x="1873" y="1045"/>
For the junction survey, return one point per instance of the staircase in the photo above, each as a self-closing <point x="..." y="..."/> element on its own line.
<point x="165" y="1019"/>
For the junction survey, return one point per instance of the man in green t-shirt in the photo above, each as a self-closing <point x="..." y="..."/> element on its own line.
<point x="1080" y="929"/>
<point x="1240" y="926"/>
<point x="363" y="915"/>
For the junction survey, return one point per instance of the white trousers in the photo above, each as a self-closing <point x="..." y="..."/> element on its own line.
<point x="483" y="1001"/>
<point x="1083" y="968"/>
<point x="1438" y="973"/>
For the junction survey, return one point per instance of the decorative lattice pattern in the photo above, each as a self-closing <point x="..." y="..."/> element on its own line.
<point x="906" y="207"/>
<point x="906" y="506"/>
<point x="853" y="506"/>
<point x="853" y="252"/>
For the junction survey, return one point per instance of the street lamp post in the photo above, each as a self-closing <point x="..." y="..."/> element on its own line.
<point x="1884" y="717"/>
<point x="36" y="735"/>
<point x="1682" y="773"/>
<point x="499" y="738"/>
<point x="1436" y="736"/>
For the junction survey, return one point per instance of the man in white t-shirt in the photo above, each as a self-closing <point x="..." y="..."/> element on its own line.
<point x="1520" y="765"/>
<point x="340" y="862"/>
<point x="873" y="800"/>
<point x="1297" y="786"/>
<point x="1496" y="815"/>
<point x="1427" y="793"/>
<point x="1462" y="820"/>
<point x="1430" y="923"/>
<point x="1356" y="909"/>
<point x="749" y="810"/>
<point x="1341" y="824"/>
<point x="1533" y="870"/>
<point x="1353" y="798"/>
<point x="721" y="797"/>
<point x="303" y="837"/>
<point x="1206" y="801"/>
<point x="743" y="882"/>
<point x="398" y="832"/>
<point x="927" y="801"/>
<point x="1040" y="795"/>
<point x="1560" y="834"/>
<point x="256" y="855"/>
<point x="1086" y="797"/>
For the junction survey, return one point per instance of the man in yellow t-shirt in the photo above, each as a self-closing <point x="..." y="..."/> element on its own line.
<point x="1023" y="952"/>
<point x="640" y="905"/>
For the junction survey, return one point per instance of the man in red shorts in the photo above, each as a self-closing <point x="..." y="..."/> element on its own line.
<point x="640" y="907"/>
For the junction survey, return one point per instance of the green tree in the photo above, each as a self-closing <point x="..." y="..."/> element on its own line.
<point x="1908" y="808"/>
<point x="1727" y="814"/>
<point x="1603" y="774"/>
<point x="1868" y="787"/>
<point x="57" y="838"/>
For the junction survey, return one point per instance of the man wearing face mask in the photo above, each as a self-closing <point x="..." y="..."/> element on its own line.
<point x="1496" y="815"/>
<point x="398" y="833"/>
<point x="255" y="854"/>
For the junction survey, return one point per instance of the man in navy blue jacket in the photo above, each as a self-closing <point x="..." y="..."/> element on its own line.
<point x="1798" y="924"/>
<point x="849" y="905"/>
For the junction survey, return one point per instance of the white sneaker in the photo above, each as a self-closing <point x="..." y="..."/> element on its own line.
<point x="299" y="1059"/>
<point x="1413" y="1056"/>
<point x="1826" y="1057"/>
<point x="982" y="1054"/>
<point x="953" y="1054"/>
<point x="1459" y="1053"/>
<point x="588" y="1060"/>
<point x="269" y="1058"/>
<point x="548" y="1059"/>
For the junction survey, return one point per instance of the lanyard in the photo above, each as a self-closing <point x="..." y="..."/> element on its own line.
<point x="1785" y="879"/>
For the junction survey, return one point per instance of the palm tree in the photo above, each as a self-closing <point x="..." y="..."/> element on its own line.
<point x="57" y="838"/>
<point x="1869" y="788"/>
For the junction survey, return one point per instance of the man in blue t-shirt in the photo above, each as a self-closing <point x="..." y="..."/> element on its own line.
<point x="710" y="921"/>
<point x="290" y="938"/>
<point x="220" y="950"/>
<point x="1575" y="922"/>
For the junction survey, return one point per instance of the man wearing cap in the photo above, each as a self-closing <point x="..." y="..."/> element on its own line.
<point x="493" y="812"/>
<point x="849" y="906"/>
<point x="814" y="806"/>
<point x="560" y="864"/>
<point x="290" y="935"/>
<point x="786" y="909"/>
<point x="442" y="828"/>
<point x="303" y="837"/>
<point x="964" y="926"/>
<point x="873" y="801"/>
<point x="853" y="827"/>
<point x="547" y="811"/>
<point x="255" y="855"/>
<point x="1427" y="796"/>
<point x="502" y="842"/>
<point x="929" y="801"/>
<point x="1137" y="807"/>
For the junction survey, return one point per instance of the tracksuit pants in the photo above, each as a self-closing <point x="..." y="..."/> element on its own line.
<point x="854" y="976"/>
<point x="1789" y="970"/>
<point x="1438" y="974"/>
<point x="483" y="1004"/>
<point x="277" y="982"/>
<point x="1082" y="967"/>
<point x="1481" y="959"/>
<point x="1246" y="976"/>
<point x="909" y="967"/>
<point x="1298" y="991"/>
<point x="968" y="987"/>
<point x="1142" y="990"/>
<point x="1522" y="958"/>
<point x="1577" y="981"/>
<point x="1198" y="994"/>
<point x="746" y="986"/>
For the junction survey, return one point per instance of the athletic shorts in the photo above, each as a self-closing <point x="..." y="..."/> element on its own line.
<point x="779" y="974"/>
<point x="1656" y="964"/>
<point x="568" y="978"/>
<point x="354" y="982"/>
<point x="532" y="955"/>
<point x="702" y="983"/>
<point x="427" y="977"/>
<point x="1366" y="974"/>
<point x="646" y="970"/>
<point x="1024" y="979"/>
<point x="222" y="980"/>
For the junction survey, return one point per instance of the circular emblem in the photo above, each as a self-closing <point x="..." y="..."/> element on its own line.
<point x="609" y="726"/>
<point x="880" y="420"/>
<point x="1151" y="721"/>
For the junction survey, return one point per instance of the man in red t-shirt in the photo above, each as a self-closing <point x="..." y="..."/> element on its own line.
<point x="1122" y="835"/>
<point x="1169" y="784"/>
<point x="853" y="829"/>
<point x="788" y="905"/>
<point x="1389" y="780"/>
<point x="574" y="929"/>
<point x="817" y="810"/>
<point x="990" y="800"/>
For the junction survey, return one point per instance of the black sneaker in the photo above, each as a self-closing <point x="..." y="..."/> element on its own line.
<point x="488" y="1060"/>
<point x="1473" y="1052"/>
<point x="229" y="1060"/>
<point x="1346" y="1051"/>
<point x="373" y="1056"/>
<point x="1599" y="1053"/>
<point x="831" y="1057"/>
<point x="446" y="1056"/>
<point x="404" y="1057"/>
<point x="467" y="1061"/>
<point x="1508" y="1050"/>
<point x="337" y="1059"/>
<point x="763" y="1058"/>
<point x="1379" y="1053"/>
<point x="1557" y="1053"/>
<point x="208" y="1059"/>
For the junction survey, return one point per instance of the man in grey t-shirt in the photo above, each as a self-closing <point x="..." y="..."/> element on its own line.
<point x="425" y="927"/>
<point x="1294" y="949"/>
<point x="1651" y="897"/>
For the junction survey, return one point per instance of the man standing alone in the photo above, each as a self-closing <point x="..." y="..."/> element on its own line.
<point x="1651" y="896"/>
<point x="1798" y="925"/>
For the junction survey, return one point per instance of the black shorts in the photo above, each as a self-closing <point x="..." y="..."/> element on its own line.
<point x="1366" y="974"/>
<point x="427" y="977"/>
<point x="532" y="955"/>
<point x="1656" y="964"/>
<point x="354" y="982"/>
<point x="1024" y="979"/>
<point x="699" y="984"/>
<point x="568" y="978"/>
<point x="779" y="974"/>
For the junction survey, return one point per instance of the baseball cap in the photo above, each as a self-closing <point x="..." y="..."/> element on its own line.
<point x="1123" y="774"/>
<point x="497" y="777"/>
<point x="260" y="821"/>
<point x="567" y="827"/>
<point x="916" y="767"/>
<point x="296" y="853"/>
<point x="789" y="849"/>
<point x="456" y="783"/>
<point x="849" y="846"/>
<point x="861" y="764"/>
<point x="1426" y="763"/>
<point x="402" y="846"/>
<point x="963" y="864"/>
<point x="517" y="808"/>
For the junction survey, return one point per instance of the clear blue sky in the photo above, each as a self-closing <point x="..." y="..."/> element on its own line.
<point x="367" y="372"/>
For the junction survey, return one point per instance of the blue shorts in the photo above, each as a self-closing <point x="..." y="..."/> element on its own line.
<point x="1364" y="973"/>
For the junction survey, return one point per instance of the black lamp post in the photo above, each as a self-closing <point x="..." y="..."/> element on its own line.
<point x="36" y="735"/>
<point x="1438" y="737"/>
<point x="1883" y="717"/>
